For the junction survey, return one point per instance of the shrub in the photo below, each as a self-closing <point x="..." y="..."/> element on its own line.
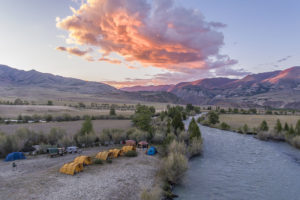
<point x="158" y="138"/>
<point x="55" y="135"/>
<point x="245" y="129"/>
<point x="109" y="161"/>
<point x="177" y="147"/>
<point x="297" y="128"/>
<point x="264" y="126"/>
<point x="98" y="162"/>
<point x="263" y="135"/>
<point x="278" y="126"/>
<point x="224" y="126"/>
<point x="131" y="154"/>
<point x="296" y="142"/>
<point x="213" y="117"/>
<point x="195" y="147"/>
<point x="154" y="194"/>
<point x="173" y="167"/>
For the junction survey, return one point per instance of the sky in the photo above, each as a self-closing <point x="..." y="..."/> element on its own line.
<point x="145" y="42"/>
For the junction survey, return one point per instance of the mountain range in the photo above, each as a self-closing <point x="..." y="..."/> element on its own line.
<point x="35" y="85"/>
<point x="278" y="89"/>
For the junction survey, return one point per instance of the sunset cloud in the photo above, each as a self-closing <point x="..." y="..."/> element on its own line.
<point x="74" y="50"/>
<point x="159" y="33"/>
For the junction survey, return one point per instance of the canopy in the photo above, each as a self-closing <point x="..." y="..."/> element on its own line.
<point x="15" y="156"/>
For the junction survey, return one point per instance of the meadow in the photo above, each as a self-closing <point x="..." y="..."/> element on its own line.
<point x="236" y="121"/>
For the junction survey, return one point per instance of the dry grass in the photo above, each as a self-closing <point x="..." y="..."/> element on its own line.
<point x="70" y="127"/>
<point x="12" y="111"/>
<point x="237" y="120"/>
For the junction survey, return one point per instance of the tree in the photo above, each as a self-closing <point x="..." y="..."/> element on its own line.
<point x="278" y="126"/>
<point x="112" y="111"/>
<point x="286" y="127"/>
<point x="18" y="102"/>
<point x="213" y="117"/>
<point x="50" y="103"/>
<point x="224" y="126"/>
<point x="235" y="110"/>
<point x="194" y="130"/>
<point x="245" y="129"/>
<point x="177" y="122"/>
<point x="297" y="128"/>
<point x="264" y="126"/>
<point x="87" y="126"/>
<point x="142" y="117"/>
<point x="189" y="107"/>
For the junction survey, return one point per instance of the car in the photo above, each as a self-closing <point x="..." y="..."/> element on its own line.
<point x="72" y="149"/>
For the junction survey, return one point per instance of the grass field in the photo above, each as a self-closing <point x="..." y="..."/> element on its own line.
<point x="238" y="120"/>
<point x="12" y="111"/>
<point x="70" y="127"/>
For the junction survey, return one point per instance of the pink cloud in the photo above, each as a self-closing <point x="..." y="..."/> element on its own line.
<point x="73" y="50"/>
<point x="159" y="34"/>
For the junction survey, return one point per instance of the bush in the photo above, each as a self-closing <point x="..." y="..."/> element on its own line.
<point x="224" y="126"/>
<point x="245" y="129"/>
<point x="264" y="126"/>
<point x="109" y="161"/>
<point x="173" y="167"/>
<point x="195" y="147"/>
<point x="296" y="142"/>
<point x="213" y="117"/>
<point x="131" y="154"/>
<point x="98" y="162"/>
<point x="154" y="194"/>
<point x="177" y="147"/>
<point x="194" y="130"/>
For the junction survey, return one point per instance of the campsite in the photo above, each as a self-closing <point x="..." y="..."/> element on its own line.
<point x="38" y="177"/>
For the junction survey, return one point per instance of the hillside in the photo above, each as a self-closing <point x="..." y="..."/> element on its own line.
<point x="263" y="89"/>
<point x="34" y="85"/>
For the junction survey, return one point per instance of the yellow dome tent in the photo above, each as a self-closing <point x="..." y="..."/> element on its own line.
<point x="85" y="160"/>
<point x="125" y="149"/>
<point x="71" y="168"/>
<point x="104" y="155"/>
<point x="115" y="152"/>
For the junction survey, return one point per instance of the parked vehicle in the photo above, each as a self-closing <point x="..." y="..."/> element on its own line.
<point x="73" y="149"/>
<point x="53" y="152"/>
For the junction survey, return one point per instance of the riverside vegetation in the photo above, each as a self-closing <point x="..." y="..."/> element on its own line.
<point x="279" y="132"/>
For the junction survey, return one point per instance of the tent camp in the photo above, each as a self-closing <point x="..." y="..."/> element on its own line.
<point x="85" y="160"/>
<point x="104" y="155"/>
<point x="115" y="152"/>
<point x="15" y="156"/>
<point x="151" y="151"/>
<point x="71" y="168"/>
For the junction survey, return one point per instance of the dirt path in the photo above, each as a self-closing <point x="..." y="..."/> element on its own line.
<point x="38" y="178"/>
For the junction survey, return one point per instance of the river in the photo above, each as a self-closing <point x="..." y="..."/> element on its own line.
<point x="240" y="167"/>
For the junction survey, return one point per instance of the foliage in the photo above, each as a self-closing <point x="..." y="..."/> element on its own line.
<point x="142" y="117"/>
<point x="131" y="154"/>
<point x="286" y="127"/>
<point x="50" y="103"/>
<point x="213" y="117"/>
<point x="224" y="126"/>
<point x="87" y="127"/>
<point x="174" y="167"/>
<point x="154" y="194"/>
<point x="245" y="129"/>
<point x="177" y="147"/>
<point x="112" y="111"/>
<point x="194" y="130"/>
<point x="297" y="128"/>
<point x="195" y="147"/>
<point x="177" y="121"/>
<point x="98" y="162"/>
<point x="278" y="126"/>
<point x="264" y="126"/>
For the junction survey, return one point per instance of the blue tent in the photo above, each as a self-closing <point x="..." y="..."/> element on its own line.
<point x="151" y="151"/>
<point x="15" y="156"/>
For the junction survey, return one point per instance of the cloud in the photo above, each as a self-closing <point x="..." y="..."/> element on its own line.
<point x="74" y="50"/>
<point x="113" y="61"/>
<point x="156" y="33"/>
<point x="283" y="59"/>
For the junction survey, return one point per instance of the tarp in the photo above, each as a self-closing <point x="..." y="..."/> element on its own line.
<point x="85" y="160"/>
<point x="104" y="155"/>
<point x="151" y="151"/>
<point x="130" y="143"/>
<point x="15" y="156"/>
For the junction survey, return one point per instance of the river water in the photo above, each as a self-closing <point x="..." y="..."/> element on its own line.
<point x="240" y="167"/>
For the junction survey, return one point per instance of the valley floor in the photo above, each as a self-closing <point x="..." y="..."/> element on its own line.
<point x="39" y="178"/>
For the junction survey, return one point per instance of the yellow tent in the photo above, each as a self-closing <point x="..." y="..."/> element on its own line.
<point x="104" y="155"/>
<point x="125" y="149"/>
<point x="115" y="152"/>
<point x="85" y="160"/>
<point x="71" y="168"/>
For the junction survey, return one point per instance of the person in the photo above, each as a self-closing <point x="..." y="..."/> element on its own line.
<point x="14" y="166"/>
